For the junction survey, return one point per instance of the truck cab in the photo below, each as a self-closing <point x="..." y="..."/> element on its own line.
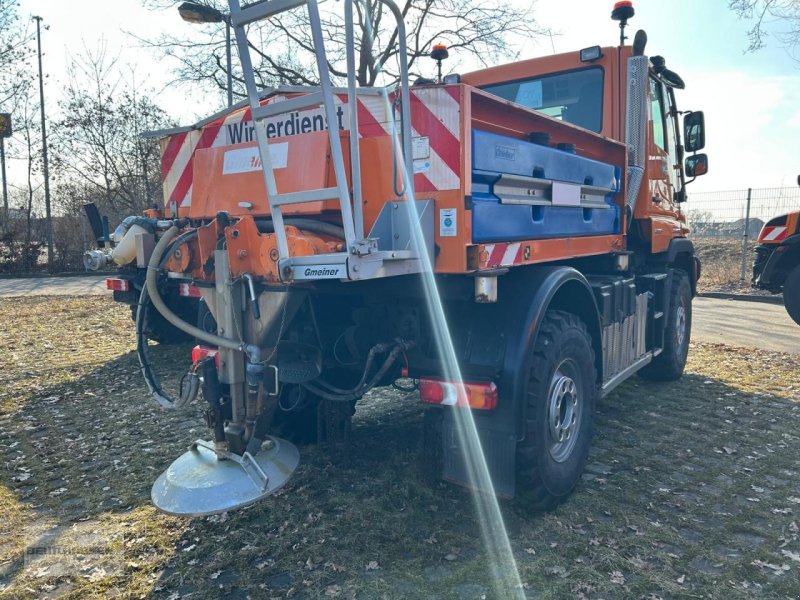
<point x="587" y="89"/>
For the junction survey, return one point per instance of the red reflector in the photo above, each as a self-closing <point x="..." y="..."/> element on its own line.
<point x="118" y="285"/>
<point x="623" y="3"/>
<point x="202" y="352"/>
<point x="480" y="396"/>
<point x="189" y="290"/>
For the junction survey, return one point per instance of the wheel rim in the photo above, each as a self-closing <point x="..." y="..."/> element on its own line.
<point x="565" y="410"/>
<point x="680" y="325"/>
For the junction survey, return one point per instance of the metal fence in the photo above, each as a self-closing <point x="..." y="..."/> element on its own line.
<point x="725" y="225"/>
<point x="733" y="214"/>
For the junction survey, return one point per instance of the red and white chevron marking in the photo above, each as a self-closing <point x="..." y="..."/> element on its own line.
<point x="435" y="121"/>
<point x="774" y="234"/>
<point x="504" y="254"/>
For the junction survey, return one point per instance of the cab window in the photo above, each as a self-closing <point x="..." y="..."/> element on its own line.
<point x="575" y="97"/>
<point x="657" y="114"/>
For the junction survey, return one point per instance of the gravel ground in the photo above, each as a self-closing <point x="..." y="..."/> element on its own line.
<point x="691" y="492"/>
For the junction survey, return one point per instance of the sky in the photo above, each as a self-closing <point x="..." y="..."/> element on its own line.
<point x="751" y="100"/>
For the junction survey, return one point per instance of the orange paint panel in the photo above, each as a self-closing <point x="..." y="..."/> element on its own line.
<point x="229" y="178"/>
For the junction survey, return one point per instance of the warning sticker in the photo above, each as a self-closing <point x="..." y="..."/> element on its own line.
<point x="245" y="160"/>
<point x="448" y="226"/>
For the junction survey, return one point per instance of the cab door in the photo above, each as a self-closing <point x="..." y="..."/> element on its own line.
<point x="663" y="163"/>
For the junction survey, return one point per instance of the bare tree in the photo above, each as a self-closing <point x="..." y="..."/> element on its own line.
<point x="785" y="13"/>
<point x="282" y="47"/>
<point x="22" y="235"/>
<point x="15" y="52"/>
<point x="98" y="147"/>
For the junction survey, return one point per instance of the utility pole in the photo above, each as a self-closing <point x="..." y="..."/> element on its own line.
<point x="48" y="213"/>
<point x="5" y="131"/>
<point x="228" y="58"/>
<point x="3" y="163"/>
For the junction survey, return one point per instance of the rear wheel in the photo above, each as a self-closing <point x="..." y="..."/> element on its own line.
<point x="791" y="294"/>
<point x="669" y="365"/>
<point x="560" y="396"/>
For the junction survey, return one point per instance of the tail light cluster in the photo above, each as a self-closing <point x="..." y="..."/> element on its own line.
<point x="118" y="285"/>
<point x="476" y="395"/>
<point x="202" y="352"/>
<point x="189" y="290"/>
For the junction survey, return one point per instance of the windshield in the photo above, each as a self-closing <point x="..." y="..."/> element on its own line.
<point x="575" y="97"/>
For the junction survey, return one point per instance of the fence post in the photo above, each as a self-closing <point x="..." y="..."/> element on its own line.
<point x="746" y="235"/>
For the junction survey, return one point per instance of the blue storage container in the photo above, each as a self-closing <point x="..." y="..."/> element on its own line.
<point x="492" y="221"/>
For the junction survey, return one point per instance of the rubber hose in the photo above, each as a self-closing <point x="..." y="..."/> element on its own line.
<point x="158" y="302"/>
<point x="265" y="226"/>
<point x="188" y="392"/>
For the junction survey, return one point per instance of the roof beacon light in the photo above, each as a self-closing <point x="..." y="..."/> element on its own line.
<point x="439" y="53"/>
<point x="623" y="11"/>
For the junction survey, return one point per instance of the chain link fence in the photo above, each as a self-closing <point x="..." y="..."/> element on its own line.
<point x="725" y="227"/>
<point x="23" y="244"/>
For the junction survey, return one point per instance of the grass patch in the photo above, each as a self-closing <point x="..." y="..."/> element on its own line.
<point x="691" y="489"/>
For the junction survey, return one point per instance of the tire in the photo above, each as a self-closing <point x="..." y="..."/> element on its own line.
<point x="791" y="294"/>
<point x="669" y="365"/>
<point x="299" y="423"/>
<point x="562" y="383"/>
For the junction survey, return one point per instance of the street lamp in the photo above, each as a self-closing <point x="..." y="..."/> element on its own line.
<point x="192" y="12"/>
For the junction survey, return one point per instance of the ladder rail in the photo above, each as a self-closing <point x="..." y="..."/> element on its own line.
<point x="260" y="127"/>
<point x="352" y="100"/>
<point x="333" y="132"/>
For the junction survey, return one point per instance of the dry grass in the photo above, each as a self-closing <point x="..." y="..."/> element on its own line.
<point x="692" y="488"/>
<point x="722" y="265"/>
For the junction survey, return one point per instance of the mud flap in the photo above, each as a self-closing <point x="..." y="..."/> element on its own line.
<point x="499" y="449"/>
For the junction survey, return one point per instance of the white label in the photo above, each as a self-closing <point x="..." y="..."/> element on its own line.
<point x="448" y="226"/>
<point x="422" y="166"/>
<point x="566" y="194"/>
<point x="319" y="272"/>
<point x="421" y="147"/>
<point x="246" y="160"/>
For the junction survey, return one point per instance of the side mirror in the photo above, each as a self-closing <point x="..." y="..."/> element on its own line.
<point x="696" y="165"/>
<point x="694" y="131"/>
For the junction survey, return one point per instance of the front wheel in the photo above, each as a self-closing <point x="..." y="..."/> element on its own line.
<point x="791" y="294"/>
<point x="560" y="396"/>
<point x="669" y="365"/>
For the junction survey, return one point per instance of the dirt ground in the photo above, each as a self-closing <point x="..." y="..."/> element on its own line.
<point x="692" y="488"/>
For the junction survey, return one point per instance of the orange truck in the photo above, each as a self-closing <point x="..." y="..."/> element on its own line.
<point x="543" y="199"/>
<point x="776" y="267"/>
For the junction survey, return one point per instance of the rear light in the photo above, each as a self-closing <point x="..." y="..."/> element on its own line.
<point x="480" y="396"/>
<point x="202" y="352"/>
<point x="118" y="285"/>
<point x="189" y="290"/>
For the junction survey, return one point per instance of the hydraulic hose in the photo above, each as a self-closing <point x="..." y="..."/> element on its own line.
<point x="153" y="268"/>
<point x="189" y="385"/>
<point x="267" y="226"/>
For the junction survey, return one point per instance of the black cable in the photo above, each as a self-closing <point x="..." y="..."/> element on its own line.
<point x="151" y="379"/>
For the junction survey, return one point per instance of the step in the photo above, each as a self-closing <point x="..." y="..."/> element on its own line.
<point x="262" y="10"/>
<point x="287" y="106"/>
<point x="320" y="195"/>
